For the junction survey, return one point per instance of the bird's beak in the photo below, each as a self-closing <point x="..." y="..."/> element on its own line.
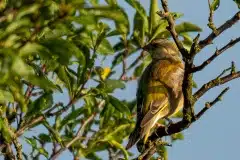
<point x="147" y="47"/>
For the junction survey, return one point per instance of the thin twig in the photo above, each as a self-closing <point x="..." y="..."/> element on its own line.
<point x="124" y="61"/>
<point x="216" y="54"/>
<point x="208" y="105"/>
<point x="18" y="148"/>
<point x="78" y="135"/>
<point x="79" y="132"/>
<point x="210" y="18"/>
<point x="171" y="27"/>
<point x="228" y="24"/>
<point x="215" y="82"/>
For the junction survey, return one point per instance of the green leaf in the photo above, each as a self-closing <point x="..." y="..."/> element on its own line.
<point x="140" y="21"/>
<point x="72" y="116"/>
<point x="111" y="2"/>
<point x="140" y="10"/>
<point x="43" y="152"/>
<point x="120" y="106"/>
<point x="94" y="2"/>
<point x="32" y="142"/>
<point x="154" y="17"/>
<point x="109" y="85"/>
<point x="139" y="69"/>
<point x="177" y="136"/>
<point x="105" y="47"/>
<point x="68" y="78"/>
<point x="62" y="50"/>
<point x="43" y="102"/>
<point x="17" y="24"/>
<point x="21" y="68"/>
<point x="237" y="2"/>
<point x="119" y="146"/>
<point x="6" y="96"/>
<point x="55" y="134"/>
<point x="215" y="4"/>
<point x="106" y="114"/>
<point x="43" y="82"/>
<point x="116" y="14"/>
<point x="182" y="28"/>
<point x="27" y="10"/>
<point x="5" y="130"/>
<point x="34" y="48"/>
<point x="44" y="138"/>
<point x="159" y="29"/>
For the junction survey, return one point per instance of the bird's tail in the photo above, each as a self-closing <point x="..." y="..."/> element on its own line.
<point x="134" y="137"/>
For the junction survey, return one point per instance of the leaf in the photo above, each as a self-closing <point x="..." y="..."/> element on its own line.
<point x="237" y="2"/>
<point x="21" y="68"/>
<point x="139" y="30"/>
<point x="32" y="142"/>
<point x="182" y="28"/>
<point x="68" y="79"/>
<point x="43" y="102"/>
<point x="139" y="69"/>
<point x="94" y="2"/>
<point x="121" y="107"/>
<point x="43" y="152"/>
<point x="109" y="85"/>
<point x="119" y="146"/>
<point x="62" y="50"/>
<point x="17" y="24"/>
<point x="72" y="116"/>
<point x="215" y="4"/>
<point x="106" y="114"/>
<point x="43" y="82"/>
<point x="177" y="136"/>
<point x="114" y="13"/>
<point x="159" y="29"/>
<point x="187" y="27"/>
<point x="111" y="2"/>
<point x="140" y="10"/>
<point x="154" y="17"/>
<point x="55" y="134"/>
<point x="44" y="138"/>
<point x="105" y="48"/>
<point x="27" y="10"/>
<point x="34" y="48"/>
<point x="140" y="21"/>
<point x="6" y="96"/>
<point x="5" y="130"/>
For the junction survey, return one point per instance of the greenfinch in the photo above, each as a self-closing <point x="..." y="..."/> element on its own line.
<point x="159" y="93"/>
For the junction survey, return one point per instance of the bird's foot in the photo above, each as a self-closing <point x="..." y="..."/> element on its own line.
<point x="169" y="124"/>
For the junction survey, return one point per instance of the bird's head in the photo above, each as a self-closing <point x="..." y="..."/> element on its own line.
<point x="162" y="48"/>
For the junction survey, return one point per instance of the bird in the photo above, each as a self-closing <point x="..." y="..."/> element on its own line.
<point x="159" y="93"/>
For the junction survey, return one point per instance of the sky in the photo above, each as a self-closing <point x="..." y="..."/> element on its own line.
<point x="215" y="135"/>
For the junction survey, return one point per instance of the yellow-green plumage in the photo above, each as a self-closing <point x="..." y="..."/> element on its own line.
<point x="159" y="92"/>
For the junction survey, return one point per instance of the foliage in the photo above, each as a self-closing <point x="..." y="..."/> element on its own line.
<point x="52" y="47"/>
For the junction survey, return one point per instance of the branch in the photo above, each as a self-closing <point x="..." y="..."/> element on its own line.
<point x="77" y="137"/>
<point x="208" y="105"/>
<point x="216" y="54"/>
<point x="171" y="28"/>
<point x="79" y="132"/>
<point x="210" y="18"/>
<point x="228" y="24"/>
<point x="215" y="82"/>
<point x="124" y="62"/>
<point x="18" y="148"/>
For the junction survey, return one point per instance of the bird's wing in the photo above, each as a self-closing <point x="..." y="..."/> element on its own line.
<point x="171" y="74"/>
<point x="156" y="107"/>
<point x="135" y="135"/>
